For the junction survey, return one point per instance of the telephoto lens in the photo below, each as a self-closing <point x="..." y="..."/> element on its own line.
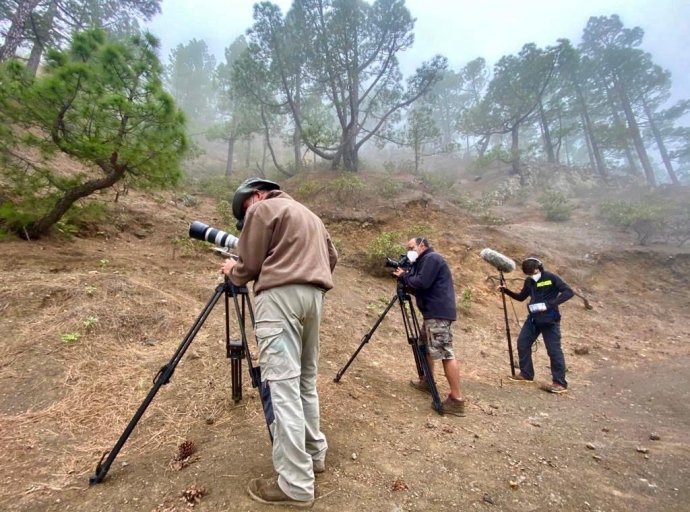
<point x="200" y="231"/>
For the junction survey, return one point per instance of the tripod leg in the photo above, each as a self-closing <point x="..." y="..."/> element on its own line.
<point x="419" y="352"/>
<point x="505" y="315"/>
<point x="233" y="350"/>
<point x="365" y="339"/>
<point x="161" y="378"/>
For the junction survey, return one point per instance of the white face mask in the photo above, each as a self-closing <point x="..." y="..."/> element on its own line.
<point x="536" y="276"/>
<point x="412" y="256"/>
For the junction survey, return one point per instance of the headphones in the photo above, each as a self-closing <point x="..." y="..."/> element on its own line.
<point x="541" y="265"/>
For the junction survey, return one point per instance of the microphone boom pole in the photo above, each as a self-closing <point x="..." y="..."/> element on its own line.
<point x="502" y="264"/>
<point x="505" y="315"/>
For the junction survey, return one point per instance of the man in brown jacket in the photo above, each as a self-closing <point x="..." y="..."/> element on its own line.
<point x="285" y="249"/>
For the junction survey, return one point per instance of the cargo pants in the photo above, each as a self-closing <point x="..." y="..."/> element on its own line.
<point x="287" y="330"/>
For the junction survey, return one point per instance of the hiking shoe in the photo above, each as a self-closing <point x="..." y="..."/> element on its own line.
<point x="519" y="378"/>
<point x="421" y="385"/>
<point x="319" y="466"/>
<point x="453" y="406"/>
<point x="556" y="388"/>
<point x="269" y="492"/>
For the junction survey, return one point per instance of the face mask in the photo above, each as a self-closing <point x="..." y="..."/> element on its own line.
<point x="536" y="276"/>
<point x="412" y="256"/>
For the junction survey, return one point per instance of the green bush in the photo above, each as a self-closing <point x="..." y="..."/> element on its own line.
<point x="307" y="189"/>
<point x="347" y="189"/>
<point x="555" y="206"/>
<point x="386" y="245"/>
<point x="339" y="246"/>
<point x="419" y="230"/>
<point x="489" y="218"/>
<point x="224" y="211"/>
<point x="187" y="247"/>
<point x="647" y="218"/>
<point x="219" y="187"/>
<point x="437" y="183"/>
<point x="388" y="188"/>
<point x="465" y="302"/>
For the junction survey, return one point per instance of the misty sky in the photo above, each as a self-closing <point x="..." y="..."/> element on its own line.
<point x="488" y="29"/>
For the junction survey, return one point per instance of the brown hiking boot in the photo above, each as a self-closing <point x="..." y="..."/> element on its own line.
<point x="453" y="406"/>
<point x="519" y="378"/>
<point x="421" y="385"/>
<point x="319" y="466"/>
<point x="269" y="492"/>
<point x="556" y="388"/>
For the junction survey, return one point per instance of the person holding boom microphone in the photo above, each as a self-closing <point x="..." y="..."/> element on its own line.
<point x="546" y="291"/>
<point x="286" y="250"/>
<point x="431" y="282"/>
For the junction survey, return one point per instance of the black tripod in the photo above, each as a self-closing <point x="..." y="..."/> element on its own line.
<point x="235" y="350"/>
<point x="412" y="331"/>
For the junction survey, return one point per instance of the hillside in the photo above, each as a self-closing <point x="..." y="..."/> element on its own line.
<point x="89" y="321"/>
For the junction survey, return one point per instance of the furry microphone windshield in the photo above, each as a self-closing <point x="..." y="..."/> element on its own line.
<point x="498" y="260"/>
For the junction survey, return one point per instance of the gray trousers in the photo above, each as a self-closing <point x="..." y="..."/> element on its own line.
<point x="287" y="330"/>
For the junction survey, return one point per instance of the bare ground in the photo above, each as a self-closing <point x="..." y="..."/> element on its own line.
<point x="66" y="399"/>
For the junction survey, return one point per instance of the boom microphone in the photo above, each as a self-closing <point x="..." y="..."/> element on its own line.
<point x="498" y="260"/>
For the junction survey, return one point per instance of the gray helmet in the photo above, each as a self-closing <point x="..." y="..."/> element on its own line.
<point x="245" y="190"/>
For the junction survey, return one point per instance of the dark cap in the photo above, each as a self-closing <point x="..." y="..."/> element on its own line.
<point x="245" y="190"/>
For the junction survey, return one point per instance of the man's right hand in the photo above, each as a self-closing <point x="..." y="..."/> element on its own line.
<point x="501" y="288"/>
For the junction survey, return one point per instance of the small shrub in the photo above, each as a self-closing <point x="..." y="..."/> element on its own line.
<point x="466" y="299"/>
<point x="188" y="200"/>
<point x="70" y="337"/>
<point x="187" y="247"/>
<point x="224" y="211"/>
<point x="555" y="206"/>
<point x="388" y="188"/>
<point x="347" y="189"/>
<point x="219" y="187"/>
<point x="90" y="322"/>
<point x="464" y="201"/>
<point x="307" y="189"/>
<point x="490" y="218"/>
<point x="646" y="218"/>
<point x="339" y="246"/>
<point x="437" y="183"/>
<point x="383" y="246"/>
<point x="419" y="230"/>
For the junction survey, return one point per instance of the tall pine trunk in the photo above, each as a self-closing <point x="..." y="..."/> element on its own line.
<point x="13" y="38"/>
<point x="514" y="150"/>
<point x="42" y="33"/>
<point x="231" y="153"/>
<point x="589" y="132"/>
<point x="248" y="155"/>
<point x="618" y="123"/>
<point x="548" y="142"/>
<point x="660" y="144"/>
<point x="588" y="142"/>
<point x="634" y="131"/>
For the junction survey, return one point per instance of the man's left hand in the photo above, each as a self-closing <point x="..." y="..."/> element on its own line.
<point x="227" y="265"/>
<point x="398" y="272"/>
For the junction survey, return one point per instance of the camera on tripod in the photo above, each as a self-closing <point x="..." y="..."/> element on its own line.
<point x="403" y="263"/>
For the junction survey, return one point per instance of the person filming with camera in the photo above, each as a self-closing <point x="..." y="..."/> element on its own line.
<point x="546" y="291"/>
<point x="430" y="281"/>
<point x="286" y="250"/>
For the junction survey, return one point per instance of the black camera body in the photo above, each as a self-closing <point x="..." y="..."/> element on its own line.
<point x="403" y="263"/>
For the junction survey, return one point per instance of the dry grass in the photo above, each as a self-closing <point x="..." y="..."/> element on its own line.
<point x="81" y="351"/>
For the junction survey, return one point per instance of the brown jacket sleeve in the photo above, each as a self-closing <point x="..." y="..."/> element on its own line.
<point x="252" y="249"/>
<point x="332" y="254"/>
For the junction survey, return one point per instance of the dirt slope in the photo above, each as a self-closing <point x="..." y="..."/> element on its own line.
<point x="66" y="398"/>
